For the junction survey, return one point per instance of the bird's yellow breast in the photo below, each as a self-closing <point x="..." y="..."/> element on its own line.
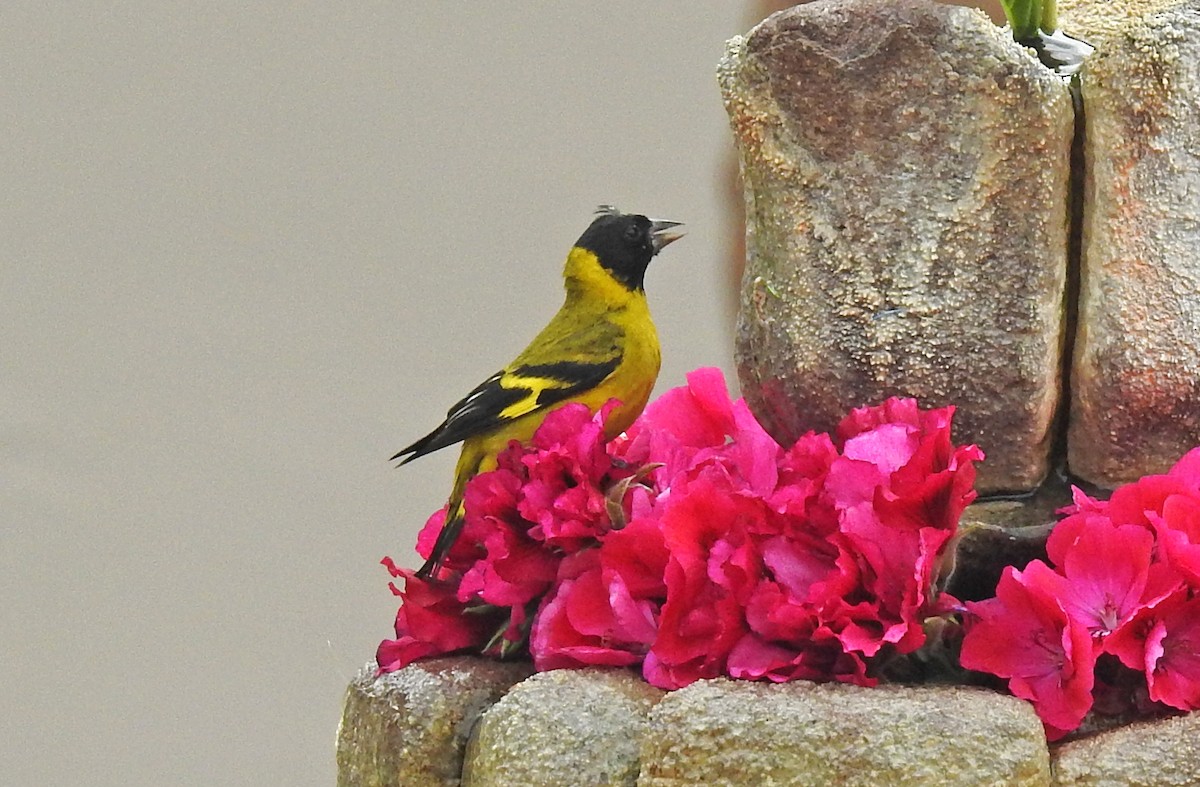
<point x="595" y="295"/>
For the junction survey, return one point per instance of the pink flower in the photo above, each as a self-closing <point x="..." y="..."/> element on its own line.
<point x="697" y="415"/>
<point x="605" y="604"/>
<point x="800" y="490"/>
<point x="899" y="489"/>
<point x="775" y="615"/>
<point x="509" y="568"/>
<point x="801" y="611"/>
<point x="925" y="481"/>
<point x="811" y="570"/>
<point x="692" y="426"/>
<point x="1173" y="656"/>
<point x="638" y="554"/>
<point x="1025" y="634"/>
<point x="1126" y="573"/>
<point x="430" y="622"/>
<point x="729" y="554"/>
<point x="1133" y="503"/>
<point x="1163" y="641"/>
<point x="1187" y="469"/>
<point x="1178" y="531"/>
<point x="898" y="572"/>
<point x="713" y="568"/>
<point x="514" y="571"/>
<point x="1168" y="506"/>
<point x="591" y="618"/>
<point x="1128" y="643"/>
<point x="565" y="475"/>
<point x="1105" y="572"/>
<point x="820" y="657"/>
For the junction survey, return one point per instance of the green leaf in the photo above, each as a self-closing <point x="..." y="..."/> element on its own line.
<point x="1024" y="16"/>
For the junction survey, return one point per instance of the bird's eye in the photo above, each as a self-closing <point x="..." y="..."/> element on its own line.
<point x="633" y="233"/>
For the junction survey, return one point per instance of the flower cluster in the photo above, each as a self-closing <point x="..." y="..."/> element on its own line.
<point x="695" y="546"/>
<point x="1121" y="601"/>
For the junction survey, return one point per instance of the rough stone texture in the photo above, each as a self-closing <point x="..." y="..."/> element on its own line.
<point x="723" y="732"/>
<point x="894" y="244"/>
<point x="410" y="727"/>
<point x="1096" y="21"/>
<point x="1148" y="754"/>
<point x="577" y="727"/>
<point x="1135" y="384"/>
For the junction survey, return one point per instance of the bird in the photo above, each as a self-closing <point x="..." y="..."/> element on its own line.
<point x="600" y="345"/>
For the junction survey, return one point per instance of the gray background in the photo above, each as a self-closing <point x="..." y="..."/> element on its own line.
<point x="249" y="251"/>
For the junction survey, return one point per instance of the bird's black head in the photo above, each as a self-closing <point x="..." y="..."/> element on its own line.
<point x="626" y="242"/>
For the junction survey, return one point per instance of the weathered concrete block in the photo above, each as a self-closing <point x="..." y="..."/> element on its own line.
<point x="895" y="243"/>
<point x="1148" y="754"/>
<point x="723" y="732"/>
<point x="577" y="727"/>
<point x="1135" y="383"/>
<point x="410" y="727"/>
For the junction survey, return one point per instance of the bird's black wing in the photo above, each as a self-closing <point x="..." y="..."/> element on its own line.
<point x="511" y="394"/>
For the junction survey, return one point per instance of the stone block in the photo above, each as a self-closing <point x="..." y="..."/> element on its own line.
<point x="723" y="732"/>
<point x="410" y="727"/>
<point x="898" y="243"/>
<point x="1162" y="753"/>
<point x="577" y="727"/>
<point x="1135" y="381"/>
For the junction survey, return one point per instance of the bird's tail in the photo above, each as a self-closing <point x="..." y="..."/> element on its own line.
<point x="469" y="464"/>
<point x="445" y="540"/>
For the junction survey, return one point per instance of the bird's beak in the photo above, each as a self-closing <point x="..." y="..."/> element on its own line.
<point x="663" y="232"/>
